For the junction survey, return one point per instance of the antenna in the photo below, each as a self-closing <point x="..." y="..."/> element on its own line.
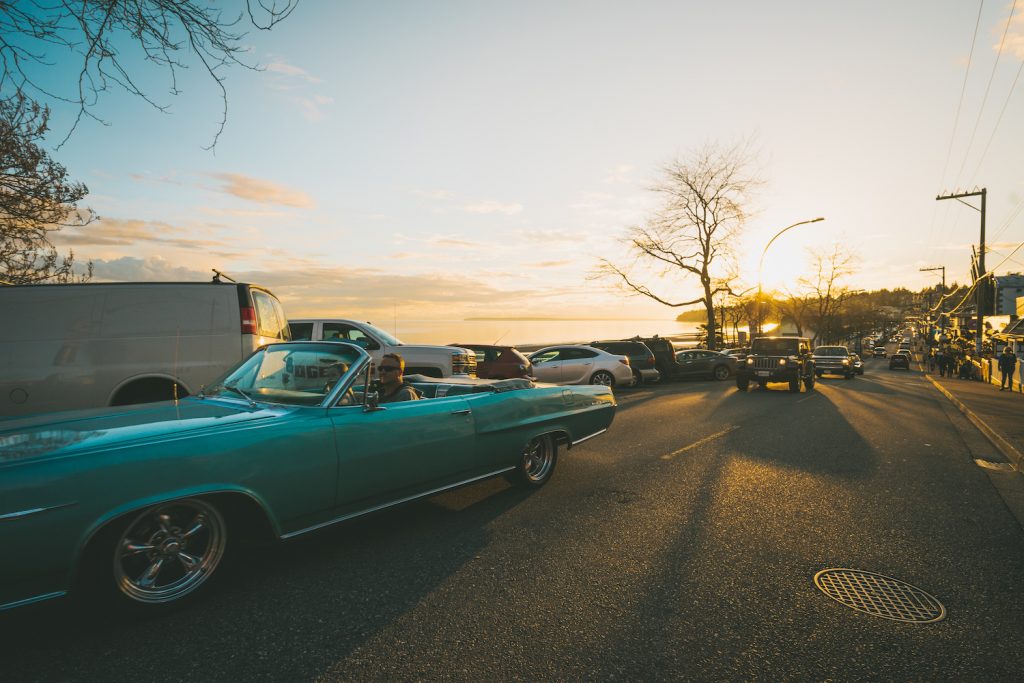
<point x="501" y="337"/>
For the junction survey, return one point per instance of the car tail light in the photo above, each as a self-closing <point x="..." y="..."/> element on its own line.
<point x="624" y="361"/>
<point x="248" y="320"/>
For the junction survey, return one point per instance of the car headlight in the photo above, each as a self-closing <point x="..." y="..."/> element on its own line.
<point x="750" y="361"/>
<point x="846" y="361"/>
<point x="782" y="361"/>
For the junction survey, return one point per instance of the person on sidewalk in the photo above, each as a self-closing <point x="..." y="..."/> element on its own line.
<point x="1007" y="362"/>
<point x="1020" y="367"/>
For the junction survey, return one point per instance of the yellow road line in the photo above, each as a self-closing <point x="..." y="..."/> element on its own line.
<point x="706" y="439"/>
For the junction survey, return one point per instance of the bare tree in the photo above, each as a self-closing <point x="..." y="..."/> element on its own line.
<point x="36" y="198"/>
<point x="701" y="214"/>
<point x="825" y="289"/>
<point x="104" y="37"/>
<point x="796" y="308"/>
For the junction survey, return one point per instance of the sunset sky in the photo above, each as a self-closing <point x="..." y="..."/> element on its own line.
<point x="454" y="159"/>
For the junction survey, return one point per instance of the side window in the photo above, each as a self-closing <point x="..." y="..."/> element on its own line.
<point x="547" y="356"/>
<point x="577" y="354"/>
<point x="268" y="321"/>
<point x="301" y="331"/>
<point x="345" y="332"/>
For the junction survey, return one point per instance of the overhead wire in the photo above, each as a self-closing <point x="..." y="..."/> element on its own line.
<point x="984" y="99"/>
<point x="998" y="121"/>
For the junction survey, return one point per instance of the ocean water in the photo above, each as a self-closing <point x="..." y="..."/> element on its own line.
<point x="530" y="332"/>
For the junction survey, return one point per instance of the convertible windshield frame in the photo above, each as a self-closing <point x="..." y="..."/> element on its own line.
<point x="298" y="374"/>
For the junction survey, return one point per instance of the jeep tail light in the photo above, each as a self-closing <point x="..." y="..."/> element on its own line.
<point x="248" y="320"/>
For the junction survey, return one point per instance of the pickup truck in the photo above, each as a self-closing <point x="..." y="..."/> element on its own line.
<point x="420" y="359"/>
<point x="834" y="360"/>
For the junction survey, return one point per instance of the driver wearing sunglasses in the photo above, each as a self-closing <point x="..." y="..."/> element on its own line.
<point x="393" y="387"/>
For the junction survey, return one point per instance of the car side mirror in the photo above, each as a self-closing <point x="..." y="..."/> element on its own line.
<point x="371" y="345"/>
<point x="372" y="401"/>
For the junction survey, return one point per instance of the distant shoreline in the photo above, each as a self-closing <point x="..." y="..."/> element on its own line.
<point x="568" y="320"/>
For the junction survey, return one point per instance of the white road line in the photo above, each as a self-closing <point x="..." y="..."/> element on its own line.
<point x="669" y="456"/>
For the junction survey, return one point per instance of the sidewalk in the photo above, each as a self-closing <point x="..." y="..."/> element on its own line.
<point x="998" y="414"/>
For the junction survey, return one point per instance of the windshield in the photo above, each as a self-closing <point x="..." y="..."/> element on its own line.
<point x="775" y="347"/>
<point x="831" y="351"/>
<point x="291" y="374"/>
<point x="388" y="339"/>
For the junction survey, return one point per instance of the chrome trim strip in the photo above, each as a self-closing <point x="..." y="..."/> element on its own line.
<point x="29" y="601"/>
<point x="587" y="438"/>
<point x="21" y="514"/>
<point x="382" y="506"/>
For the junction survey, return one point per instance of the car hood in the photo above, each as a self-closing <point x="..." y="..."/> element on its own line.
<point x="65" y="433"/>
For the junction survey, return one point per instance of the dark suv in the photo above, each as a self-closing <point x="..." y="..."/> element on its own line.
<point x="777" y="359"/>
<point x="641" y="358"/>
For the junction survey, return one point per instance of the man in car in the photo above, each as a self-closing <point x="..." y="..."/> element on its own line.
<point x="393" y="387"/>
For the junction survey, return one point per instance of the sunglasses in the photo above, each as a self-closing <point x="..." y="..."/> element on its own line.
<point x="388" y="368"/>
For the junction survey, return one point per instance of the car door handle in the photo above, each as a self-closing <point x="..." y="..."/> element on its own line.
<point x="467" y="411"/>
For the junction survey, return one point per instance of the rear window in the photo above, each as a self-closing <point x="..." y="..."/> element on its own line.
<point x="270" y="318"/>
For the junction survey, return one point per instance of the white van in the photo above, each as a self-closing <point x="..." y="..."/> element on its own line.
<point x="96" y="344"/>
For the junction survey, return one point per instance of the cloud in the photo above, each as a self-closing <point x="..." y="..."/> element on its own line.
<point x="552" y="264"/>
<point x="129" y="232"/>
<point x="436" y="195"/>
<point x="492" y="207"/>
<point x="152" y="269"/>
<point x="455" y="242"/>
<point x="618" y="174"/>
<point x="283" y="71"/>
<point x="312" y="107"/>
<point x="1014" y="36"/>
<point x="549" y="236"/>
<point x="262" y="191"/>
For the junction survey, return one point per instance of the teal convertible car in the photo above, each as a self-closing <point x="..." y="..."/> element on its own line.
<point x="143" y="503"/>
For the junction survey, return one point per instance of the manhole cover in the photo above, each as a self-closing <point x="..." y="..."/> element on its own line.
<point x="881" y="596"/>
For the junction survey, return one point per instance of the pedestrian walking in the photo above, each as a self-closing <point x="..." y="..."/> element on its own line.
<point x="1007" y="362"/>
<point x="1020" y="367"/>
<point x="931" y="361"/>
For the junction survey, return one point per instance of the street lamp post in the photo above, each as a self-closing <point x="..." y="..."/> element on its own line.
<point x="760" y="267"/>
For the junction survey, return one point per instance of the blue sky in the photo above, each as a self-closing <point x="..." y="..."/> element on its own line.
<point x="476" y="158"/>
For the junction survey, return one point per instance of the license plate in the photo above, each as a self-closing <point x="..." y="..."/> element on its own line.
<point x="763" y="373"/>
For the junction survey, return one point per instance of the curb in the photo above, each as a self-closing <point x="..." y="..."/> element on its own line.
<point x="1002" y="445"/>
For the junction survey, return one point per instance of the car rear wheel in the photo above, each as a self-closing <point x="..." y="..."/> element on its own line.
<point x="160" y="556"/>
<point x="721" y="372"/>
<point x="603" y="377"/>
<point x="536" y="464"/>
<point x="638" y="378"/>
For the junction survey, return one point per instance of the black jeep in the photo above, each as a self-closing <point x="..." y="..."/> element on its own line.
<point x="777" y="359"/>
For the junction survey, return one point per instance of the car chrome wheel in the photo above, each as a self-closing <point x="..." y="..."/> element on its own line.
<point x="536" y="463"/>
<point x="603" y="378"/>
<point x="169" y="551"/>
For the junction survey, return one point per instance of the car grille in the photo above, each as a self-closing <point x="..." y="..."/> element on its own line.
<point x="766" y="363"/>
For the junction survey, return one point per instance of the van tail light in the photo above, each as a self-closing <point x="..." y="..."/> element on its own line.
<point x="248" y="320"/>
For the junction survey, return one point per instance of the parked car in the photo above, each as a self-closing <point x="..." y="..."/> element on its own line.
<point x="499" y="362"/>
<point x="899" y="361"/>
<point x="580" y="364"/>
<point x="420" y="359"/>
<point x="641" y="358"/>
<point x="142" y="504"/>
<point x="834" y="360"/>
<point x="91" y="345"/>
<point x="700" y="363"/>
<point x="664" y="355"/>
<point x="878" y="352"/>
<point x="739" y="353"/>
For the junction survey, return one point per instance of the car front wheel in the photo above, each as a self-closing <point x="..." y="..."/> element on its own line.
<point x="536" y="464"/>
<point x="603" y="377"/>
<point x="163" y="554"/>
<point x="721" y="372"/>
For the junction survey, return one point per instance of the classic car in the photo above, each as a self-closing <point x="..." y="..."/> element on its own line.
<point x="142" y="503"/>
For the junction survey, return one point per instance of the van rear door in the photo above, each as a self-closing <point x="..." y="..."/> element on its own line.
<point x="263" y="319"/>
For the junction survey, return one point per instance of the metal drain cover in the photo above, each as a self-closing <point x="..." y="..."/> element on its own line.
<point x="879" y="595"/>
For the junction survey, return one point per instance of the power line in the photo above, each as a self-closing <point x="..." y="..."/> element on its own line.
<point x="998" y="121"/>
<point x="988" y="87"/>
<point x="963" y="90"/>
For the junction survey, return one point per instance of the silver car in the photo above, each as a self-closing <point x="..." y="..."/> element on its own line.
<point x="580" y="364"/>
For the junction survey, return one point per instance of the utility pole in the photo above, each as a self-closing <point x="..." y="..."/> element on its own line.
<point x="979" y="295"/>
<point x="943" y="269"/>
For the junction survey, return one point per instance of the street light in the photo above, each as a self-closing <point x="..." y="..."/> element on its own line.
<point x="760" y="266"/>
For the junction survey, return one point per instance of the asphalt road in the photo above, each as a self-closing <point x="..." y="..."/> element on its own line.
<point x="680" y="545"/>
